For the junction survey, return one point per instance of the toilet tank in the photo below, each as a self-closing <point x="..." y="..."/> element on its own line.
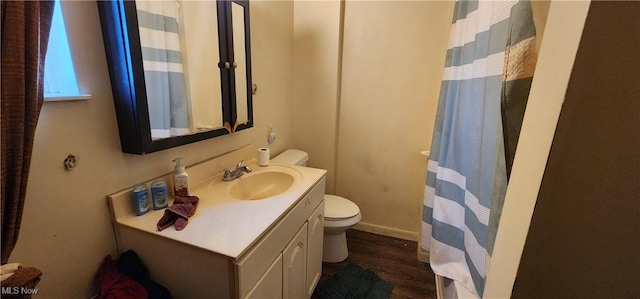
<point x="292" y="157"/>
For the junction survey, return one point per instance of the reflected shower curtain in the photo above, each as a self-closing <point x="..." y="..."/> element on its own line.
<point x="163" y="69"/>
<point x="490" y="61"/>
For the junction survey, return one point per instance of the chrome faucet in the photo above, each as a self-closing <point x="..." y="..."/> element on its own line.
<point x="230" y="175"/>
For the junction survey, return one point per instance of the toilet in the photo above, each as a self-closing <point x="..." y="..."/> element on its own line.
<point x="340" y="213"/>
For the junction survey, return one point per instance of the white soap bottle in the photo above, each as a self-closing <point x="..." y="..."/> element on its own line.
<point x="180" y="179"/>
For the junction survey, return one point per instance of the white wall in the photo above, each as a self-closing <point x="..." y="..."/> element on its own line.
<point x="367" y="79"/>
<point x="317" y="50"/>
<point x="66" y="231"/>
<point x="394" y="53"/>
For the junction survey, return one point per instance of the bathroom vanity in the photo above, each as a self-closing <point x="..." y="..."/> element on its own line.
<point x="259" y="236"/>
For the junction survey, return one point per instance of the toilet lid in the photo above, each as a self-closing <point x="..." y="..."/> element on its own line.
<point x="336" y="207"/>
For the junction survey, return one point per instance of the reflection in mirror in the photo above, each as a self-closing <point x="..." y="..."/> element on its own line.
<point x="237" y="15"/>
<point x="201" y="32"/>
<point x="179" y="41"/>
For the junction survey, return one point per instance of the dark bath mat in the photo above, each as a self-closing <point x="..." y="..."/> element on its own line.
<point x="353" y="282"/>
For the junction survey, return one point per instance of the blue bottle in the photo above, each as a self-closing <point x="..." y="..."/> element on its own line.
<point x="141" y="199"/>
<point x="159" y="195"/>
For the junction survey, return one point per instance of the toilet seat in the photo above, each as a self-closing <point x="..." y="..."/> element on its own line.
<point x="339" y="208"/>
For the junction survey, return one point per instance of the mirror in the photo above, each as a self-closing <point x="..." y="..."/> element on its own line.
<point x="241" y="71"/>
<point x="180" y="70"/>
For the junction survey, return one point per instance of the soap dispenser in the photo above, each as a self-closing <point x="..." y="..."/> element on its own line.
<point x="180" y="179"/>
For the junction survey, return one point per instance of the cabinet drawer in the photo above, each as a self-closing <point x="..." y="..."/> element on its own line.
<point x="254" y="264"/>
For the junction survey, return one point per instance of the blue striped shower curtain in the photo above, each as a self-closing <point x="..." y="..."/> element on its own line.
<point x="163" y="69"/>
<point x="488" y="70"/>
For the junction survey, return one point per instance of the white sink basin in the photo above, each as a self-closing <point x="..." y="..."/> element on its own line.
<point x="260" y="185"/>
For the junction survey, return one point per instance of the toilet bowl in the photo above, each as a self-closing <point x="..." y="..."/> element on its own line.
<point x="340" y="213"/>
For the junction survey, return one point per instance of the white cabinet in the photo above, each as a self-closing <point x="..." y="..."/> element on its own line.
<point x="315" y="237"/>
<point x="295" y="266"/>
<point x="284" y="262"/>
<point x="297" y="238"/>
<point x="270" y="285"/>
<point x="300" y="261"/>
<point x="296" y="271"/>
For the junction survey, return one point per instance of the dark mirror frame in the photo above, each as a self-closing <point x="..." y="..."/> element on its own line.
<point x="228" y="52"/>
<point x="124" y="57"/>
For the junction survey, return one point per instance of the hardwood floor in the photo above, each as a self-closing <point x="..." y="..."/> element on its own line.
<point x="394" y="260"/>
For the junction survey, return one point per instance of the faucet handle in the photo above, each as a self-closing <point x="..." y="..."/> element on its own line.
<point x="239" y="164"/>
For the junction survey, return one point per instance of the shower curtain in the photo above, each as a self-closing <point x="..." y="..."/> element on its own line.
<point x="488" y="70"/>
<point x="163" y="69"/>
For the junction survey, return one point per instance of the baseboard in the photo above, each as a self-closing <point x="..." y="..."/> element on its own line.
<point x="423" y="255"/>
<point x="387" y="231"/>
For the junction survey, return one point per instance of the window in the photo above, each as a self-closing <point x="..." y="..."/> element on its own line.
<point x="59" y="74"/>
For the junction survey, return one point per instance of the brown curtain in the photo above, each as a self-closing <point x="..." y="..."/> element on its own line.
<point x="25" y="34"/>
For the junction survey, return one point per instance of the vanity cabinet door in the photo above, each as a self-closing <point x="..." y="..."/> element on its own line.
<point x="295" y="266"/>
<point x="270" y="284"/>
<point x="315" y="236"/>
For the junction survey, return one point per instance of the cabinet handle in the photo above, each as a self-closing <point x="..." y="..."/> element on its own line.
<point x="235" y="65"/>
<point x="227" y="65"/>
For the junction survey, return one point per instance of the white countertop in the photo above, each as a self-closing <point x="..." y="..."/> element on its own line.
<point x="225" y="225"/>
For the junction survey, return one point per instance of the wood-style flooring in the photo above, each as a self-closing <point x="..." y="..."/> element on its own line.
<point x="394" y="260"/>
